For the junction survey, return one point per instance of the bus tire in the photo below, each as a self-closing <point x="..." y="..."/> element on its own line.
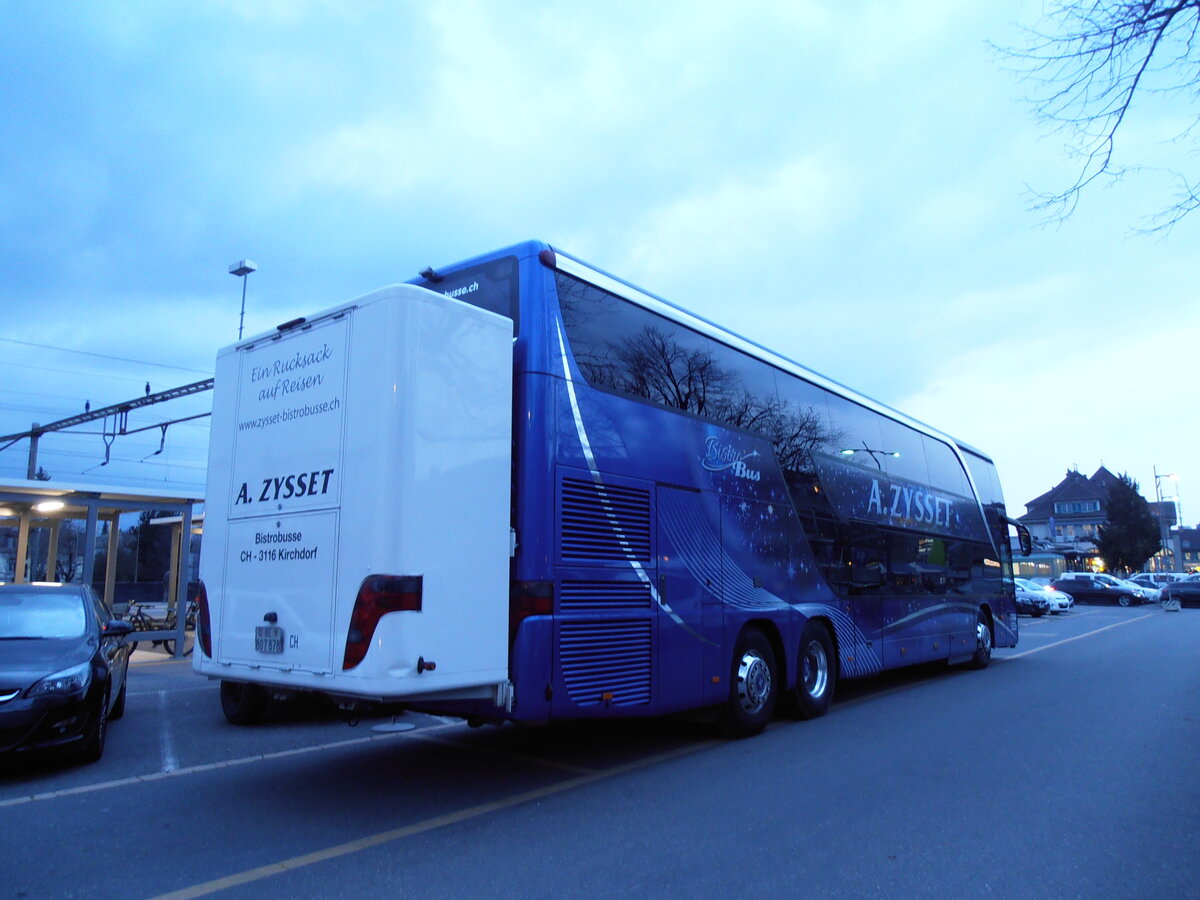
<point x="242" y="703"/>
<point x="753" y="686"/>
<point x="983" y="641"/>
<point x="816" y="673"/>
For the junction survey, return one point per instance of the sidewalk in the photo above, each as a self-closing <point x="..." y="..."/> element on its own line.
<point x="147" y="652"/>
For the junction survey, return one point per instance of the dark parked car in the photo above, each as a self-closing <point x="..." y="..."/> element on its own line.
<point x="1187" y="591"/>
<point x="1097" y="589"/>
<point x="63" y="660"/>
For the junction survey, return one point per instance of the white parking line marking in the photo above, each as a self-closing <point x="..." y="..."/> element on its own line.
<point x="176" y="690"/>
<point x="169" y="761"/>
<point x="1077" y="637"/>
<point x="191" y="770"/>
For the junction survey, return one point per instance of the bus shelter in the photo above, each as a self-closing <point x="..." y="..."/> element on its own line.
<point x="30" y="506"/>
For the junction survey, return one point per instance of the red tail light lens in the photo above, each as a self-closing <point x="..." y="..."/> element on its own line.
<point x="203" y="628"/>
<point x="377" y="596"/>
<point x="528" y="598"/>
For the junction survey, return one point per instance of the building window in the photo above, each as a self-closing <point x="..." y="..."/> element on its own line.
<point x="1065" y="507"/>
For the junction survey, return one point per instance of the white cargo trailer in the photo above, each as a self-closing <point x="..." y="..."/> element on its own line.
<point x="357" y="520"/>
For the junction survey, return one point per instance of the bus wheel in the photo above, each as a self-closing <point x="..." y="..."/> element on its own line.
<point x="983" y="642"/>
<point x="816" y="673"/>
<point x="243" y="704"/>
<point x="753" y="687"/>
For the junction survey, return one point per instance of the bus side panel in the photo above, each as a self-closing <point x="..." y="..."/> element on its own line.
<point x="692" y="614"/>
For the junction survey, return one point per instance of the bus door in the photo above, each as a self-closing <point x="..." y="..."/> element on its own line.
<point x="689" y="590"/>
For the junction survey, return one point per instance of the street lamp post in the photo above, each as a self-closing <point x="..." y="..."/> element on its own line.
<point x="242" y="268"/>
<point x="1163" y="533"/>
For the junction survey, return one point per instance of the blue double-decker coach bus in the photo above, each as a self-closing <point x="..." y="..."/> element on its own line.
<point x="694" y="522"/>
<point x="703" y="522"/>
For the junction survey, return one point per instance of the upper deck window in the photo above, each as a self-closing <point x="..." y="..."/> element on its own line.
<point x="490" y="285"/>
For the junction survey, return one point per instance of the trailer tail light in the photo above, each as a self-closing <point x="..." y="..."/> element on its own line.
<point x="377" y="596"/>
<point x="528" y="598"/>
<point x="203" y="626"/>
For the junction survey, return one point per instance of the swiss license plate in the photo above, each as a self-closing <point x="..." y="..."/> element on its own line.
<point x="268" y="639"/>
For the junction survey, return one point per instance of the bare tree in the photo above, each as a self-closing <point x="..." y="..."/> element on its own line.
<point x="1094" y="59"/>
<point x="652" y="364"/>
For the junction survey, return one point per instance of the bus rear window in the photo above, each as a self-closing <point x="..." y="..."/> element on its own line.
<point x="490" y="285"/>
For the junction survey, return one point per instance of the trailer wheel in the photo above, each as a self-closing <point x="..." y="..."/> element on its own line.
<point x="753" y="686"/>
<point x="816" y="673"/>
<point x="242" y="703"/>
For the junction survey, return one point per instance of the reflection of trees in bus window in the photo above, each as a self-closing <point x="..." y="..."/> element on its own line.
<point x="623" y="347"/>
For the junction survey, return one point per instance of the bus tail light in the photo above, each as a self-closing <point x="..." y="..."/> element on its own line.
<point x="528" y="598"/>
<point x="377" y="596"/>
<point x="203" y="626"/>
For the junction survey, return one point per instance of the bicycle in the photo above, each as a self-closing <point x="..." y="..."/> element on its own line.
<point x="141" y="618"/>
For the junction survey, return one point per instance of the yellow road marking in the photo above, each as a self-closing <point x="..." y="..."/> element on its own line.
<point x="395" y="834"/>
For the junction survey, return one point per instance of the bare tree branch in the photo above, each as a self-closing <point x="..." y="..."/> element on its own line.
<point x="1093" y="59"/>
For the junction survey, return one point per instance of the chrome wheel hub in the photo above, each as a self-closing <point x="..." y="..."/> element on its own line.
<point x="753" y="682"/>
<point x="983" y="637"/>
<point x="814" y="669"/>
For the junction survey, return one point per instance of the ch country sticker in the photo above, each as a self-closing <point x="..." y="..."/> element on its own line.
<point x="285" y="487"/>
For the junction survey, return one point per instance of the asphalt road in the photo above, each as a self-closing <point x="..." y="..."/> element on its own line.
<point x="1070" y="768"/>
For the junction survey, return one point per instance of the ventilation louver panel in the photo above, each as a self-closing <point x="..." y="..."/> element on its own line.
<point x="606" y="658"/>
<point x="604" y="522"/>
<point x="603" y="596"/>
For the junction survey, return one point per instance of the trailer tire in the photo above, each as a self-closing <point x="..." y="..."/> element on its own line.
<point x="242" y="703"/>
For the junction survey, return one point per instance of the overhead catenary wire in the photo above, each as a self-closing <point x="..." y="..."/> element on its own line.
<point x="140" y="362"/>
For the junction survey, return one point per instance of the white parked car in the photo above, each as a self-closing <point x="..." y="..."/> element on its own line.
<point x="1060" y="601"/>
<point x="1158" y="580"/>
<point x="1149" y="594"/>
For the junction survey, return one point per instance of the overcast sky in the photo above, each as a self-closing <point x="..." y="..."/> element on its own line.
<point x="845" y="182"/>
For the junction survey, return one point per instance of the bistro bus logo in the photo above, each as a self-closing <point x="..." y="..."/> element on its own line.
<point x="719" y="457"/>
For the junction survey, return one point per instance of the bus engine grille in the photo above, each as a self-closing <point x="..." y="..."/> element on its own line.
<point x="606" y="662"/>
<point x="604" y="596"/>
<point x="604" y="522"/>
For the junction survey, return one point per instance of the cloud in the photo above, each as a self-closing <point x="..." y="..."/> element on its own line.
<point x="715" y="236"/>
<point x="1043" y="403"/>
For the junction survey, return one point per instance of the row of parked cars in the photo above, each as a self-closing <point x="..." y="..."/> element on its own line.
<point x="1035" y="598"/>
<point x="1038" y="596"/>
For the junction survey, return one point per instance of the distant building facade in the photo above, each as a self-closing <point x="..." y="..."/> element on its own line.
<point x="1189" y="549"/>
<point x="1066" y="519"/>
